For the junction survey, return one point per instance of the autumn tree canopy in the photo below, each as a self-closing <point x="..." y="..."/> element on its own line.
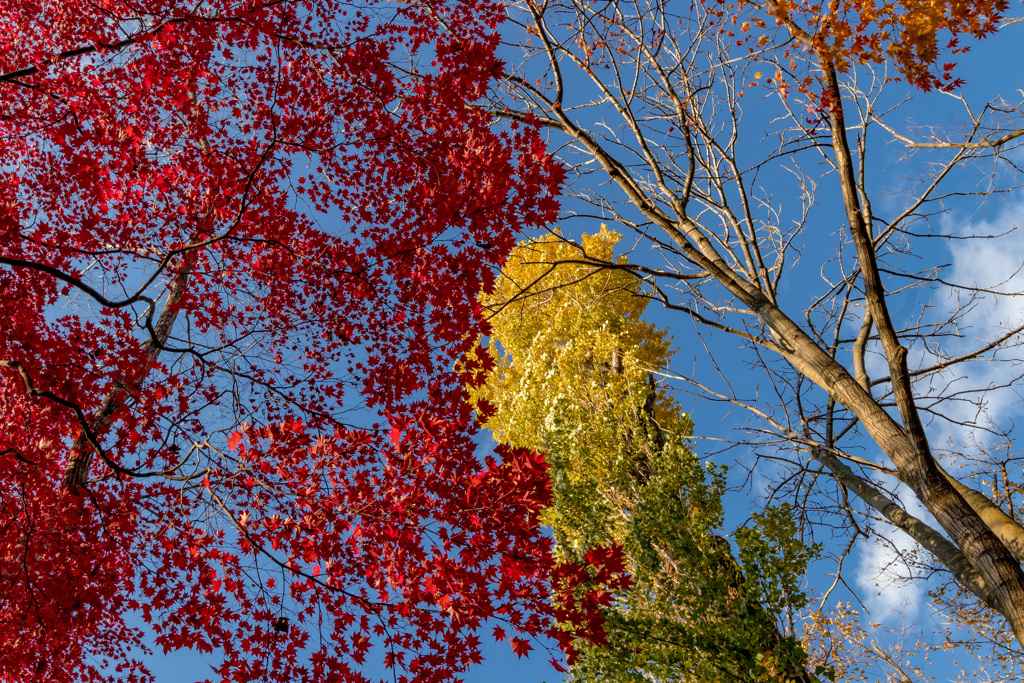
<point x="573" y="377"/>
<point x="240" y="244"/>
<point x="919" y="38"/>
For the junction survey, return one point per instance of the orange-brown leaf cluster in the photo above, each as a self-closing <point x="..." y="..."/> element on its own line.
<point x="915" y="36"/>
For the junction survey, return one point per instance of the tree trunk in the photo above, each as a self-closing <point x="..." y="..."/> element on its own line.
<point x="76" y="473"/>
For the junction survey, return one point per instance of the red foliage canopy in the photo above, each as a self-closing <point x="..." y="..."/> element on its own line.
<point x="232" y="235"/>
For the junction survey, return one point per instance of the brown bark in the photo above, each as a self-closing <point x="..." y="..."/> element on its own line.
<point x="76" y="473"/>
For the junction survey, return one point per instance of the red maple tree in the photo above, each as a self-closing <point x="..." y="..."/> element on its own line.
<point x="229" y="232"/>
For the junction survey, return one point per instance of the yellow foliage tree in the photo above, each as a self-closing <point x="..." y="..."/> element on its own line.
<point x="573" y="377"/>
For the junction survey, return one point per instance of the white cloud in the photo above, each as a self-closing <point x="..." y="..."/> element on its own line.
<point x="882" y="570"/>
<point x="987" y="263"/>
<point x="993" y="263"/>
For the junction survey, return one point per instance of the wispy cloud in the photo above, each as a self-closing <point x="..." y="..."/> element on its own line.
<point x="989" y="263"/>
<point x="882" y="571"/>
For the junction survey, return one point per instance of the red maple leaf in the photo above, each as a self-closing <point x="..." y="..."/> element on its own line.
<point x="520" y="646"/>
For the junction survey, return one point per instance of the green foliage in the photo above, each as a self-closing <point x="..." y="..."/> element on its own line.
<point x="573" y="365"/>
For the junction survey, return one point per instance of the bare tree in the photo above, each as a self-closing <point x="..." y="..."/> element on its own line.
<point x="748" y="172"/>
